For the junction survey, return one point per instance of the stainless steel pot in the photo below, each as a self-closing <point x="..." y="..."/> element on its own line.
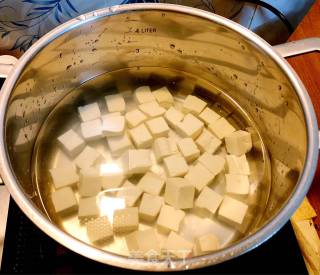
<point x="203" y="44"/>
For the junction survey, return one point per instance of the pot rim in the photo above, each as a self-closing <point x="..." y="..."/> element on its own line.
<point x="248" y="243"/>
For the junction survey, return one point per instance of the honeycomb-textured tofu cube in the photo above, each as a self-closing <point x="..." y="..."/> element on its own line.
<point x="238" y="165"/>
<point x="90" y="182"/>
<point x="87" y="158"/>
<point x="170" y="218"/>
<point x="221" y="128"/>
<point x="152" y="109"/>
<point x="89" y="112"/>
<point x="63" y="176"/>
<point x="91" y="130"/>
<point x="119" y="144"/>
<point x="88" y="209"/>
<point x="193" y="104"/>
<point x="150" y="207"/>
<point x="164" y="97"/>
<point x="164" y="147"/>
<point x="232" y="210"/>
<point x="238" y="143"/>
<point x="125" y="220"/>
<point x="214" y="163"/>
<point x="151" y="183"/>
<point x="178" y="246"/>
<point x="99" y="230"/>
<point x="188" y="149"/>
<point x="136" y="161"/>
<point x="115" y="103"/>
<point x="190" y="126"/>
<point x="143" y="94"/>
<point x="64" y="201"/>
<point x="71" y="143"/>
<point x="141" y="136"/>
<point x="207" y="142"/>
<point x="175" y="166"/>
<point x="209" y="200"/>
<point x="130" y="193"/>
<point x="173" y="117"/>
<point x="199" y="176"/>
<point x="134" y="118"/>
<point x="158" y="127"/>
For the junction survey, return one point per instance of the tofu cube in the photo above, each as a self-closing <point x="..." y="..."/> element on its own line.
<point x="190" y="126"/>
<point x="164" y="147"/>
<point x="179" y="193"/>
<point x="207" y="142"/>
<point x="173" y="117"/>
<point x="178" y="246"/>
<point x="199" y="176"/>
<point x="136" y="161"/>
<point x="63" y="176"/>
<point x="64" y="201"/>
<point x="119" y="144"/>
<point x="170" y="218"/>
<point x="188" y="149"/>
<point x="87" y="158"/>
<point x="88" y="209"/>
<point x="89" y="112"/>
<point x="193" y="105"/>
<point x="221" y="128"/>
<point x="90" y="182"/>
<point x="125" y="220"/>
<point x="152" y="109"/>
<point x="130" y="193"/>
<point x="71" y="143"/>
<point x="113" y="125"/>
<point x="99" y="230"/>
<point x="143" y="94"/>
<point x="141" y="136"/>
<point x="209" y="200"/>
<point x="232" y="210"/>
<point x="134" y="118"/>
<point x="208" y="116"/>
<point x="151" y="183"/>
<point x="115" y="103"/>
<point x="158" y="127"/>
<point x="91" y="130"/>
<point x="207" y="243"/>
<point x="150" y="207"/>
<point x="214" y="163"/>
<point x="238" y="165"/>
<point x="111" y="176"/>
<point x="175" y="166"/>
<point x="237" y="184"/>
<point x="238" y="143"/>
<point x="164" y="97"/>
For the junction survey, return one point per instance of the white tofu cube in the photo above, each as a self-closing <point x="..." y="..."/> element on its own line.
<point x="164" y="97"/>
<point x="125" y="220"/>
<point x="221" y="128"/>
<point x="188" y="149"/>
<point x="152" y="109"/>
<point x="99" y="230"/>
<point x="91" y="130"/>
<point x="119" y="144"/>
<point x="207" y="243"/>
<point x="150" y="207"/>
<point x="207" y="142"/>
<point x="71" y="143"/>
<point x="90" y="182"/>
<point x="151" y="183"/>
<point x="111" y="176"/>
<point x="175" y="166"/>
<point x="214" y="163"/>
<point x="193" y="105"/>
<point x="143" y="94"/>
<point x="88" y="209"/>
<point x="113" y="125"/>
<point x="88" y="157"/>
<point x="237" y="184"/>
<point x="199" y="176"/>
<point x="170" y="218"/>
<point x="89" y="112"/>
<point x="238" y="143"/>
<point x="115" y="103"/>
<point x="141" y="136"/>
<point x="178" y="246"/>
<point x="134" y="118"/>
<point x="136" y="161"/>
<point x="158" y="127"/>
<point x="64" y="201"/>
<point x="208" y="116"/>
<point x="232" y="210"/>
<point x="179" y="193"/>
<point x="63" y="176"/>
<point x="164" y="147"/>
<point x="130" y="193"/>
<point x="209" y="200"/>
<point x="173" y="117"/>
<point x="190" y="126"/>
<point x="238" y="165"/>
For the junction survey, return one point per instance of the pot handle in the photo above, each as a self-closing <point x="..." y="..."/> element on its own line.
<point x="6" y="64"/>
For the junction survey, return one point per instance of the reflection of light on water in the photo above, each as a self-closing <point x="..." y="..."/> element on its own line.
<point x="108" y="205"/>
<point x="110" y="169"/>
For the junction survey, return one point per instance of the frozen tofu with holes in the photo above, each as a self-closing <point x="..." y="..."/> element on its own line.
<point x="130" y="193"/>
<point x="164" y="147"/>
<point x="170" y="218"/>
<point x="115" y="103"/>
<point x="136" y="161"/>
<point x="179" y="193"/>
<point x="63" y="176"/>
<point x="232" y="210"/>
<point x="134" y="118"/>
<point x="91" y="130"/>
<point x="173" y="117"/>
<point x="175" y="166"/>
<point x="88" y="209"/>
<point x="199" y="176"/>
<point x="87" y="158"/>
<point x="71" y="143"/>
<point x="90" y="182"/>
<point x="209" y="200"/>
<point x="188" y="149"/>
<point x="64" y="201"/>
<point x="238" y="165"/>
<point x="207" y="142"/>
<point x="221" y="128"/>
<point x="190" y="126"/>
<point x="150" y="207"/>
<point x="119" y="144"/>
<point x="193" y="105"/>
<point x="163" y="97"/>
<point x="89" y="112"/>
<point x="207" y="243"/>
<point x="237" y="184"/>
<point x="143" y="94"/>
<point x="141" y="136"/>
<point x="125" y="220"/>
<point x="151" y="183"/>
<point x="113" y="125"/>
<point x="112" y="175"/>
<point x="238" y="143"/>
<point x="208" y="116"/>
<point x="99" y="230"/>
<point x="158" y="127"/>
<point x="152" y="109"/>
<point x="214" y="163"/>
<point x="178" y="246"/>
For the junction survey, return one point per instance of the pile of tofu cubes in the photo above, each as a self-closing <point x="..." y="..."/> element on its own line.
<point x="139" y="139"/>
